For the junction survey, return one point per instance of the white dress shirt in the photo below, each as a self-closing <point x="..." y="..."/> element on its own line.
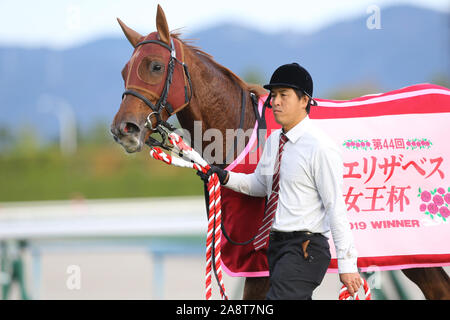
<point x="310" y="195"/>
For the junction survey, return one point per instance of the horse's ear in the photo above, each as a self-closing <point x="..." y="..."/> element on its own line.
<point x="162" y="26"/>
<point x="131" y="35"/>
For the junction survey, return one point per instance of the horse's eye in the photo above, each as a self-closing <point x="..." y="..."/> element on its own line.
<point x="156" y="67"/>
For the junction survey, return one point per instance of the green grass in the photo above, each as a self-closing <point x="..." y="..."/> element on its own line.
<point x="92" y="173"/>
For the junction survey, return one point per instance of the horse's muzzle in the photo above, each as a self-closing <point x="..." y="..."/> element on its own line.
<point x="129" y="135"/>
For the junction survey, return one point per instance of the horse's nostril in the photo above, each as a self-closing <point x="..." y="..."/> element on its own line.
<point x="130" y="128"/>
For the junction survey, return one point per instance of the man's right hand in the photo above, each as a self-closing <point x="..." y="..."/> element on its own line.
<point x="352" y="281"/>
<point x="223" y="175"/>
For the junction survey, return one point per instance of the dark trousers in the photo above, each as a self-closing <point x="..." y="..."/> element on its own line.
<point x="292" y="277"/>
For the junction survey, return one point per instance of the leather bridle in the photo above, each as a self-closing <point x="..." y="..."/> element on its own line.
<point x="162" y="103"/>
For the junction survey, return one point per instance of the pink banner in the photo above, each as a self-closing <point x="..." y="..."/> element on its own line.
<point x="396" y="156"/>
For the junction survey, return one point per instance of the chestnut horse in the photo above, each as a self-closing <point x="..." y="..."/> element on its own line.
<point x="200" y="89"/>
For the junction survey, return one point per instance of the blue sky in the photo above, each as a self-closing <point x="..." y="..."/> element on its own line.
<point x="66" y="23"/>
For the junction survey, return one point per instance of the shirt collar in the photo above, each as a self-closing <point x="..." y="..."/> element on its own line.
<point x="298" y="130"/>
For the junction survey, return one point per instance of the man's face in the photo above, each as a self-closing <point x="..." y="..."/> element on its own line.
<point x="287" y="108"/>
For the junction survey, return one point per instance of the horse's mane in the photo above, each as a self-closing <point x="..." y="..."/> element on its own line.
<point x="254" y="88"/>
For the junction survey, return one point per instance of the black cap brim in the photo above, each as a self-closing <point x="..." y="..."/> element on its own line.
<point x="281" y="85"/>
<point x="286" y="85"/>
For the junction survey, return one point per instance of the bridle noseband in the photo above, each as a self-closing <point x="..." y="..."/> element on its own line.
<point x="162" y="101"/>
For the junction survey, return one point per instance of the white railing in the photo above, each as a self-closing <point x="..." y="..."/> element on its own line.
<point x="159" y="226"/>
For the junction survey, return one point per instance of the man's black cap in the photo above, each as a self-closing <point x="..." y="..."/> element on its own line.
<point x="292" y="75"/>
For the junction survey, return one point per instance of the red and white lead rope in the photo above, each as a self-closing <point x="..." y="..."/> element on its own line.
<point x="214" y="226"/>
<point x="214" y="233"/>
<point x="345" y="295"/>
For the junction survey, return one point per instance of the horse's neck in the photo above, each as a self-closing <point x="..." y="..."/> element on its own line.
<point x="215" y="106"/>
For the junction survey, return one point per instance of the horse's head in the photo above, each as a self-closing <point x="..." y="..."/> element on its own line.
<point x="157" y="85"/>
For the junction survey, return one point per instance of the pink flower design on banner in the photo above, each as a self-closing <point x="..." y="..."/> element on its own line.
<point x="419" y="144"/>
<point x="447" y="198"/>
<point x="433" y="208"/>
<point x="357" y="144"/>
<point x="435" y="203"/>
<point x="444" y="211"/>
<point x="425" y="196"/>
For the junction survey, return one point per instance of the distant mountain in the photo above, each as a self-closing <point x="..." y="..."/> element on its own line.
<point x="411" y="47"/>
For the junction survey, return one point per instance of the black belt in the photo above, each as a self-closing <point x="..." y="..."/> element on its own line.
<point x="280" y="236"/>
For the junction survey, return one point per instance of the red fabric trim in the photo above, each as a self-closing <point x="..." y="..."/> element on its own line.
<point x="398" y="260"/>
<point x="427" y="103"/>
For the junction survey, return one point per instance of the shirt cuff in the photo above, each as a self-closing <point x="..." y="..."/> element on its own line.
<point x="347" y="265"/>
<point x="233" y="182"/>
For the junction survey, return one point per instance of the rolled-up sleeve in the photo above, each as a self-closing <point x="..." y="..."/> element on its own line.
<point x="250" y="184"/>
<point x="328" y="169"/>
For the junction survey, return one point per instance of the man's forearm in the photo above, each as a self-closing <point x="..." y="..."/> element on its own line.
<point x="246" y="183"/>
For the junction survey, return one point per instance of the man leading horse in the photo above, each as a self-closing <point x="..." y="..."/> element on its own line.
<point x="300" y="171"/>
